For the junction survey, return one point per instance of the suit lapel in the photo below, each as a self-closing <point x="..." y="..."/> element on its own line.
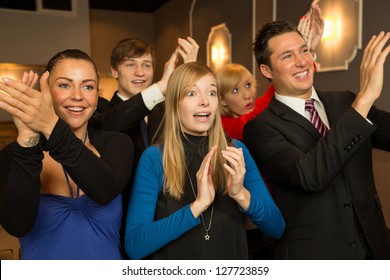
<point x="289" y="115"/>
<point x="331" y="107"/>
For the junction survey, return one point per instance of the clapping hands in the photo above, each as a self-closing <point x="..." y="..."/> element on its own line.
<point x="311" y="25"/>
<point x="32" y="110"/>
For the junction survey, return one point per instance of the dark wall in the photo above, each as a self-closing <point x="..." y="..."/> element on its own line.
<point x="242" y="18"/>
<point x="238" y="19"/>
<point x="171" y="21"/>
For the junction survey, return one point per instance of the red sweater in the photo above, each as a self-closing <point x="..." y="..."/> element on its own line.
<point x="234" y="127"/>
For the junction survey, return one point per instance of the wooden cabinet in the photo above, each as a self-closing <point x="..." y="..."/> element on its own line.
<point x="9" y="246"/>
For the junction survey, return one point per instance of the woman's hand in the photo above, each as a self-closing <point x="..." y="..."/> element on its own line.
<point x="32" y="109"/>
<point x="206" y="192"/>
<point x="26" y="136"/>
<point x="29" y="79"/>
<point x="311" y="26"/>
<point x="235" y="166"/>
<point x="188" y="49"/>
<point x="317" y="25"/>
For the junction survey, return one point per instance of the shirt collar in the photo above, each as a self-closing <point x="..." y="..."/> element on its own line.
<point x="296" y="103"/>
<point x="124" y="98"/>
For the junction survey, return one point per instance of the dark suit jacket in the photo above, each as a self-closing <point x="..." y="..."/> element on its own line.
<point x="324" y="186"/>
<point x="126" y="116"/>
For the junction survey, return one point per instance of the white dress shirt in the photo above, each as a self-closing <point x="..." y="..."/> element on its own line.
<point x="298" y="105"/>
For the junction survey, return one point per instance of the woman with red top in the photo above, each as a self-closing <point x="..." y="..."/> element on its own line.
<point x="238" y="98"/>
<point x="238" y="86"/>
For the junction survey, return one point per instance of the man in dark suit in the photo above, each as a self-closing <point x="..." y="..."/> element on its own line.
<point x="137" y="107"/>
<point x="324" y="185"/>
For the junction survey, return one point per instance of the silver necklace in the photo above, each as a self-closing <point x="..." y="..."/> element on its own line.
<point x="207" y="236"/>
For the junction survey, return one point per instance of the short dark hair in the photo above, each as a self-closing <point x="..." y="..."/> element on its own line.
<point x="131" y="48"/>
<point x="260" y="48"/>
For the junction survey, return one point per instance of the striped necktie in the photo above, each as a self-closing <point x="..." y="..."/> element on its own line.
<point x="315" y="118"/>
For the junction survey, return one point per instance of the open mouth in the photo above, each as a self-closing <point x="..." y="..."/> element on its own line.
<point x="202" y="116"/>
<point x="301" y="74"/>
<point x="75" y="109"/>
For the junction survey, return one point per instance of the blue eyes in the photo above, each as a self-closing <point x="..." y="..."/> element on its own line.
<point x="237" y="90"/>
<point x="86" y="87"/>
<point x="210" y="93"/>
<point x="89" y="87"/>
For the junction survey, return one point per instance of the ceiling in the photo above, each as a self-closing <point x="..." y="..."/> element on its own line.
<point x="144" y="6"/>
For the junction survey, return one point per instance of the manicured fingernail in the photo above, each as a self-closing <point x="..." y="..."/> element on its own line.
<point x="5" y="80"/>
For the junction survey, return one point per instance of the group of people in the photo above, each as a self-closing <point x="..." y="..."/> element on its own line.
<point x="171" y="170"/>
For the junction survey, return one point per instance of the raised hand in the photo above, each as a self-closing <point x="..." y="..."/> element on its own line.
<point x="371" y="72"/>
<point x="169" y="67"/>
<point x="26" y="136"/>
<point x="317" y="24"/>
<point x="29" y="78"/>
<point x="235" y="166"/>
<point x="33" y="108"/>
<point x="206" y="191"/>
<point x="311" y="25"/>
<point x="188" y="49"/>
<point x="305" y="29"/>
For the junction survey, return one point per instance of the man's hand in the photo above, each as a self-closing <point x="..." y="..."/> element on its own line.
<point x="371" y="73"/>
<point x="188" y="50"/>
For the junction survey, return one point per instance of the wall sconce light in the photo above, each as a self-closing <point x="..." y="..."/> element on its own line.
<point x="332" y="28"/>
<point x="218" y="47"/>
<point x="218" y="54"/>
<point x="342" y="34"/>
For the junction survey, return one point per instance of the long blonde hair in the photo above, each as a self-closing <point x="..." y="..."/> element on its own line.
<point x="180" y="82"/>
<point x="227" y="78"/>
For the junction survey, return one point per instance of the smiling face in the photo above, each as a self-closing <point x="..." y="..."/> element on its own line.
<point x="199" y="106"/>
<point x="74" y="90"/>
<point x="134" y="75"/>
<point x="241" y="98"/>
<point x="291" y="65"/>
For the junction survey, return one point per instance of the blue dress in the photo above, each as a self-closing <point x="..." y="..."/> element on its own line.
<point x="74" y="228"/>
<point x="66" y="227"/>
